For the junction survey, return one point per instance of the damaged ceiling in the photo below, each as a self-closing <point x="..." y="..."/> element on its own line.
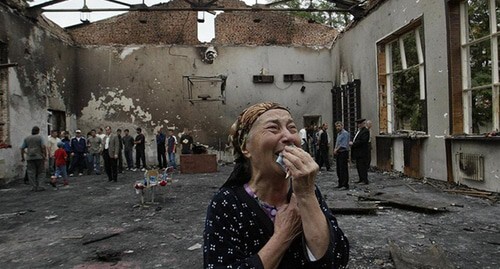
<point x="355" y="8"/>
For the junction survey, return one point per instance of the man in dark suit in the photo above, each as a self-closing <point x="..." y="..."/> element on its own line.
<point x="110" y="154"/>
<point x="360" y="151"/>
<point x="324" y="148"/>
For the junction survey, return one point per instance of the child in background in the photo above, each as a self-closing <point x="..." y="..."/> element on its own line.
<point x="60" y="157"/>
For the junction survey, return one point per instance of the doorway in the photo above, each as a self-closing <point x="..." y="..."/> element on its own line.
<point x="56" y="120"/>
<point x="312" y="120"/>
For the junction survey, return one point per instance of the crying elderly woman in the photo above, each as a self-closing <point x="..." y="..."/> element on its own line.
<point x="262" y="218"/>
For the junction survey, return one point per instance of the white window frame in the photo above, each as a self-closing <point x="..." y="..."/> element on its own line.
<point x="389" y="72"/>
<point x="466" y="73"/>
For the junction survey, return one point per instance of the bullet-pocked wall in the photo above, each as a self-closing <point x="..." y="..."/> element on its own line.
<point x="145" y="86"/>
<point x="40" y="80"/>
<point x="132" y="70"/>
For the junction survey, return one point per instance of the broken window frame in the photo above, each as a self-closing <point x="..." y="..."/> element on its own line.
<point x="386" y="75"/>
<point x="471" y="124"/>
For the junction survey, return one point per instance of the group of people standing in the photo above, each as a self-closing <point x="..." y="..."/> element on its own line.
<point x="67" y="156"/>
<point x="317" y="142"/>
<point x="360" y="147"/>
<point x="166" y="146"/>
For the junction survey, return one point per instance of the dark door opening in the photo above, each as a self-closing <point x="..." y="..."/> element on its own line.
<point x="56" y="120"/>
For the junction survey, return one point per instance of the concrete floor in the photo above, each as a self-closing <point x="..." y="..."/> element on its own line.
<point x="62" y="228"/>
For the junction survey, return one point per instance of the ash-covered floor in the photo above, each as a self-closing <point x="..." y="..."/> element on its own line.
<point x="97" y="224"/>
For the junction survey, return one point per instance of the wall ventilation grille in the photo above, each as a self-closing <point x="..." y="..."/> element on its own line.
<point x="263" y="79"/>
<point x="470" y="166"/>
<point x="293" y="77"/>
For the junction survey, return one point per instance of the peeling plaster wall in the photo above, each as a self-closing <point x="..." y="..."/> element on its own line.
<point x="142" y="86"/>
<point x="356" y="52"/>
<point x="42" y="80"/>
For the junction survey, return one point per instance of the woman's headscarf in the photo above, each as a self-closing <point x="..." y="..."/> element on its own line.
<point x="239" y="132"/>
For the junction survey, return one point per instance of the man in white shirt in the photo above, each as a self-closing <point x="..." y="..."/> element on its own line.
<point x="52" y="141"/>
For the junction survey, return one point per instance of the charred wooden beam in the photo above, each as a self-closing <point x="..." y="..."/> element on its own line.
<point x="354" y="210"/>
<point x="166" y="9"/>
<point x="46" y="4"/>
<point x="404" y="203"/>
<point x="100" y="238"/>
<point x="119" y="3"/>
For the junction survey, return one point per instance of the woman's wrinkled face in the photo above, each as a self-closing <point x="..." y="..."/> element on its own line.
<point x="269" y="135"/>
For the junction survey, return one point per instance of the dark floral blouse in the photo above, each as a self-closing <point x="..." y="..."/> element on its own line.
<point x="236" y="228"/>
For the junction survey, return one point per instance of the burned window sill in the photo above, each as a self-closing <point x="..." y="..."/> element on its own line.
<point x="405" y="135"/>
<point x="473" y="138"/>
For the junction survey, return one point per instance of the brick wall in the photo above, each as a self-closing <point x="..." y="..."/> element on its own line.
<point x="154" y="27"/>
<point x="180" y="27"/>
<point x="270" y="28"/>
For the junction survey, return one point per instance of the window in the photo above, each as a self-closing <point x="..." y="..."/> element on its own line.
<point x="401" y="73"/>
<point x="480" y="25"/>
<point x="347" y="105"/>
<point x="56" y="120"/>
<point x="3" y="94"/>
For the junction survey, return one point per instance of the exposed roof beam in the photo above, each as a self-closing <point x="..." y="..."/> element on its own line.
<point x="196" y="9"/>
<point x="48" y="3"/>
<point x="211" y="2"/>
<point x="277" y="2"/>
<point x="119" y="3"/>
<point x="354" y="6"/>
<point x="344" y="3"/>
<point x="200" y="3"/>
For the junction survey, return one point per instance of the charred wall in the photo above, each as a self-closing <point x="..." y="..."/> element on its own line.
<point x="130" y="69"/>
<point x="128" y="72"/>
<point x="142" y="86"/>
<point x="42" y="80"/>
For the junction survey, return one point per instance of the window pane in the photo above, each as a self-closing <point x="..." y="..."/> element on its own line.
<point x="480" y="63"/>
<point x="497" y="9"/>
<point x="479" y="18"/>
<point x="408" y="108"/>
<point x="396" y="57"/>
<point x="410" y="49"/>
<point x="482" y="120"/>
<point x="498" y="62"/>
